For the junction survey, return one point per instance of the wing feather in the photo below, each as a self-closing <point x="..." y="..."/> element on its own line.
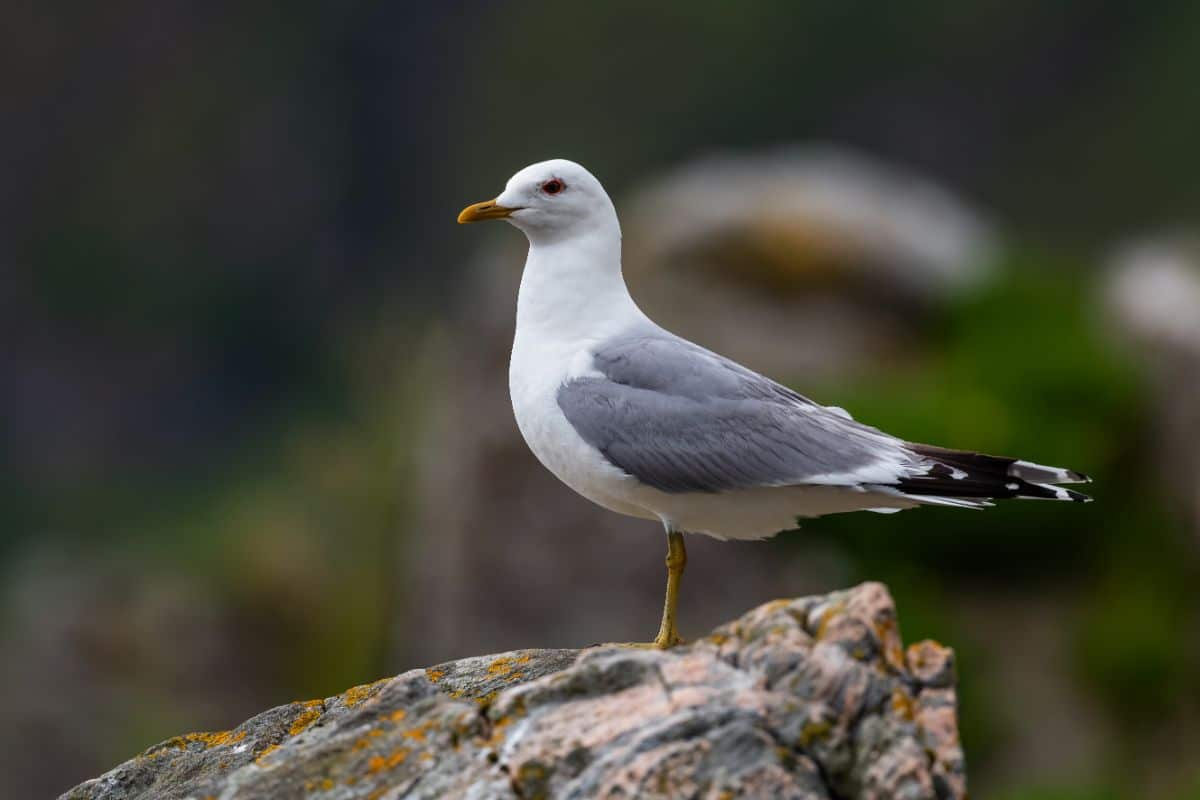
<point x="683" y="419"/>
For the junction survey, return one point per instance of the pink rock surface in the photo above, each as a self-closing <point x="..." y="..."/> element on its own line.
<point x="808" y="698"/>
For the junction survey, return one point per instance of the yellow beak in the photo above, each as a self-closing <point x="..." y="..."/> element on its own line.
<point x="488" y="209"/>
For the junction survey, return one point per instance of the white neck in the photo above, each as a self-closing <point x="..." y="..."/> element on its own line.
<point x="572" y="288"/>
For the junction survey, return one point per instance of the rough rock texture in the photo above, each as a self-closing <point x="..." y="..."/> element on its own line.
<point x="807" y="698"/>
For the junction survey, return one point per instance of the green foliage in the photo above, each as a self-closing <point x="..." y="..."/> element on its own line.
<point x="1087" y="790"/>
<point x="1020" y="368"/>
<point x="1133" y="643"/>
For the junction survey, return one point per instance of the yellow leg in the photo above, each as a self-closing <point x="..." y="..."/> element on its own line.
<point x="668" y="636"/>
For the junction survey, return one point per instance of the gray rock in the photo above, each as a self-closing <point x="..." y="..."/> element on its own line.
<point x="808" y="698"/>
<point x="1153" y="295"/>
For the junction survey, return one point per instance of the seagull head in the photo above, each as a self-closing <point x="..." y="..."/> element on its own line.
<point x="549" y="201"/>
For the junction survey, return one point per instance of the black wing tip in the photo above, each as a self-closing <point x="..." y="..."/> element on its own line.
<point x="963" y="474"/>
<point x="982" y="466"/>
<point x="1074" y="476"/>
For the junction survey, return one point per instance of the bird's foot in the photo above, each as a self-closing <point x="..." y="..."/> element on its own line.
<point x="657" y="644"/>
<point x="668" y="641"/>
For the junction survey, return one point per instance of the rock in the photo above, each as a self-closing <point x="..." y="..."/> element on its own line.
<point x="798" y="215"/>
<point x="806" y="698"/>
<point x="1152" y="293"/>
<point x="1153" y="290"/>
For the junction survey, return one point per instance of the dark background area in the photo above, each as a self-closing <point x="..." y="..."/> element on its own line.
<point x="230" y="270"/>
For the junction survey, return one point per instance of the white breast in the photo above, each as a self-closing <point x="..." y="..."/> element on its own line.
<point x="538" y="368"/>
<point x="572" y="296"/>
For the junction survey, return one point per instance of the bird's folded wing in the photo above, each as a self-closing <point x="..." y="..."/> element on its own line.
<point x="683" y="419"/>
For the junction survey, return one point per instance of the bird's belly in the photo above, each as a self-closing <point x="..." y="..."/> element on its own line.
<point x="759" y="513"/>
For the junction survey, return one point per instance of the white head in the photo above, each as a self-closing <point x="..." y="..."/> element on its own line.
<point x="550" y="201"/>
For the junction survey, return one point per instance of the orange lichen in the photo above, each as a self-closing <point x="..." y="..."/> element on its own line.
<point x="888" y="634"/>
<point x="831" y="613"/>
<point x="380" y="763"/>
<point x="417" y="734"/>
<point x="918" y="651"/>
<point x="397" y="715"/>
<point x="312" y="710"/>
<point x="435" y="675"/>
<point x="271" y="748"/>
<point x="504" y="665"/>
<point x="312" y="785"/>
<point x="500" y="666"/>
<point x="776" y="605"/>
<point x="498" y="731"/>
<point x="902" y="704"/>
<point x="354" y="696"/>
<point x="365" y="742"/>
<point x="209" y="740"/>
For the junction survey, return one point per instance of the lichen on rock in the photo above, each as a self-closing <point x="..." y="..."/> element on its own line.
<point x="809" y="698"/>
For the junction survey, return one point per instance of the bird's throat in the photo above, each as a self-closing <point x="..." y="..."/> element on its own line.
<point x="574" y="289"/>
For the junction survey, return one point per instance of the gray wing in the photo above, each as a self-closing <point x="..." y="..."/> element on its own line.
<point x="683" y="419"/>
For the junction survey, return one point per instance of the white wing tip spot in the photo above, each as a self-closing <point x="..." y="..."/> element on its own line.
<point x="841" y="412"/>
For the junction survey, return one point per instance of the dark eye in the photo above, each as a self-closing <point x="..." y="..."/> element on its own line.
<point x="553" y="186"/>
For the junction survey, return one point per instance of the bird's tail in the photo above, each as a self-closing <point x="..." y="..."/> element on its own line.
<point x="963" y="475"/>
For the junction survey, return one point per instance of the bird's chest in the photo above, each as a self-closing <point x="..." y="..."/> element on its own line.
<point x="536" y="371"/>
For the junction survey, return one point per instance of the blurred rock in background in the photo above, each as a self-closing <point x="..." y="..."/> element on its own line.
<point x="802" y="259"/>
<point x="1153" y="294"/>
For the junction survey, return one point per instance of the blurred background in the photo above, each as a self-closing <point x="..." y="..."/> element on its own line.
<point x="257" y="441"/>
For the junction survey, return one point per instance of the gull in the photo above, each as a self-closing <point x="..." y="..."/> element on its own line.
<point x="648" y="424"/>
